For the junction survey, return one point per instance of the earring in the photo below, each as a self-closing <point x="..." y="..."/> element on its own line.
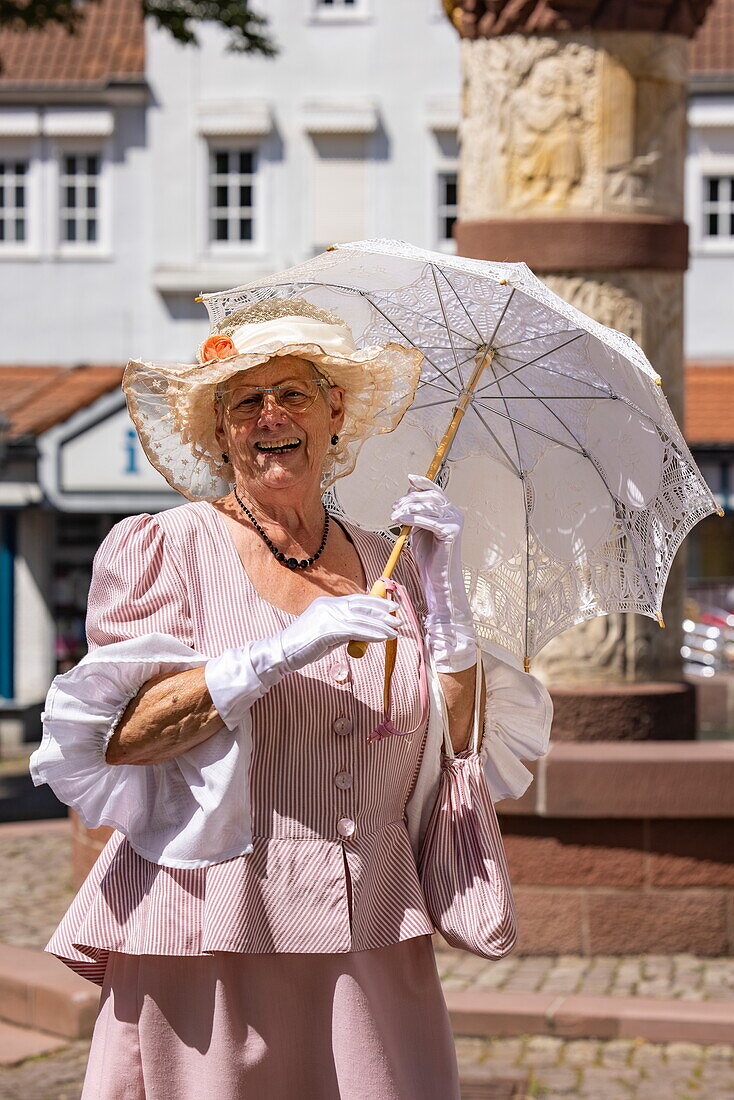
<point x="334" y="440"/>
<point x="225" y="456"/>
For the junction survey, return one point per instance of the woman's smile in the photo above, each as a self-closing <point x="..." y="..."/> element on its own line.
<point x="278" y="446"/>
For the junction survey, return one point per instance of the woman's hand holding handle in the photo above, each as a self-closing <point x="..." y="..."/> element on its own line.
<point x="435" y="540"/>
<point x="238" y="677"/>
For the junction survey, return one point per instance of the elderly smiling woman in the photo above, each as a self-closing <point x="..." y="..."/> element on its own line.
<point x="257" y="922"/>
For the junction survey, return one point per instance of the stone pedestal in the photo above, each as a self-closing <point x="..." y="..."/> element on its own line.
<point x="624" y="849"/>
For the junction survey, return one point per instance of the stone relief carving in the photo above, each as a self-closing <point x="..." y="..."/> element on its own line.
<point x="546" y="160"/>
<point x="648" y="307"/>
<point x="530" y="126"/>
<point x="489" y="18"/>
<point x="591" y="122"/>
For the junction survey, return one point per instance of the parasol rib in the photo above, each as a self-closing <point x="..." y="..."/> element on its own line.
<point x="458" y="297"/>
<point x="618" y="506"/>
<point x="446" y="323"/>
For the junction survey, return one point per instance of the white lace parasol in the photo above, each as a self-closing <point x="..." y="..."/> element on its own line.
<point x="574" y="478"/>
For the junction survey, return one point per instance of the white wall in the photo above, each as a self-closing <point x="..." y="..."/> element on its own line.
<point x="709" y="300"/>
<point x="63" y="309"/>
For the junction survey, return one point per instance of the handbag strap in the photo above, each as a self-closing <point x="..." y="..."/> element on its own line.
<point x="387" y="727"/>
<point x="448" y="748"/>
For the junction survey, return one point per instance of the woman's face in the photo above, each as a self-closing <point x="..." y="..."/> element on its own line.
<point x="305" y="436"/>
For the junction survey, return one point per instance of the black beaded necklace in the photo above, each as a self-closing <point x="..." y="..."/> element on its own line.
<point x="291" y="563"/>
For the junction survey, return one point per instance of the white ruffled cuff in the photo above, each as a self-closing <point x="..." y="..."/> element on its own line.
<point x="116" y="718"/>
<point x="518" y="718"/>
<point x="179" y="812"/>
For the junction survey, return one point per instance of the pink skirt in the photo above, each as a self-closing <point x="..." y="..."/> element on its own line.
<point x="362" y="1025"/>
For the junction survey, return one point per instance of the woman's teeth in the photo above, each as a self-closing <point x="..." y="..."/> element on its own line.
<point x="278" y="447"/>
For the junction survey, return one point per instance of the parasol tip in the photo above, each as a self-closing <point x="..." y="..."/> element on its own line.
<point x="658" y="381"/>
<point x="526" y="664"/>
<point x="199" y="298"/>
<point x="659" y="618"/>
<point x="719" y="511"/>
<point x="330" y="248"/>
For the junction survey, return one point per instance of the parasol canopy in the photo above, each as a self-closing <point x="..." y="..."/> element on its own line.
<point x="575" y="480"/>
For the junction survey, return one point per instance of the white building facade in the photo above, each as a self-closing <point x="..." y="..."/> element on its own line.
<point x="125" y="195"/>
<point x="229" y="167"/>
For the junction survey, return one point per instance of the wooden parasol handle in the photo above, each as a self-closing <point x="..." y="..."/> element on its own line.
<point x="358" y="649"/>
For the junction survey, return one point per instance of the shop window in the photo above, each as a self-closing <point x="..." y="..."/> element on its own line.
<point x="232" y="186"/>
<point x="79" y="198"/>
<point x="13" y="201"/>
<point x="718" y="207"/>
<point x="78" y="536"/>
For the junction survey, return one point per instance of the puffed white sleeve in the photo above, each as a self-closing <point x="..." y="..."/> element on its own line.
<point x="181" y="812"/>
<point x="517" y="724"/>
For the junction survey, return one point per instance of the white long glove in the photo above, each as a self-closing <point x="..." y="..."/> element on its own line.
<point x="240" y="676"/>
<point x="436" y="544"/>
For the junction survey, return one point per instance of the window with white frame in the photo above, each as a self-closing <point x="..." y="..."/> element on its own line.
<point x="79" y="198"/>
<point x="338" y="10"/>
<point x="13" y="201"/>
<point x="446" y="188"/>
<point x="448" y="209"/>
<point x="232" y="182"/>
<point x="718" y="207"/>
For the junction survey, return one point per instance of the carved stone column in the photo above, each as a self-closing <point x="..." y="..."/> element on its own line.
<point x="573" y="142"/>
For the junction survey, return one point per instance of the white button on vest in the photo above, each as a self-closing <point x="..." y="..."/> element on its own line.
<point x="340" y="673"/>
<point x="343" y="725"/>
<point x="343" y="780"/>
<point x="345" y="826"/>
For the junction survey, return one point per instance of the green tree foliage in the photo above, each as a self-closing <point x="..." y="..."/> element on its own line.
<point x="248" y="30"/>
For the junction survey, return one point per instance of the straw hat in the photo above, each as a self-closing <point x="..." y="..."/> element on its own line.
<point x="173" y="405"/>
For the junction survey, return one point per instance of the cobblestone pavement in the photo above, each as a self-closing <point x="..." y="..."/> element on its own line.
<point x="683" y="977"/>
<point x="575" y="1070"/>
<point x="36" y="889"/>
<point x="622" y="1069"/>
<point x="54" y="1077"/>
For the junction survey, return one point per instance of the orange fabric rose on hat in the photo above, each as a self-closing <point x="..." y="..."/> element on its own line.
<point x="217" y="347"/>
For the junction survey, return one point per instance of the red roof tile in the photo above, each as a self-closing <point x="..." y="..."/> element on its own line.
<point x="33" y="399"/>
<point x="712" y="50"/>
<point x="108" y="45"/>
<point x="709" y="403"/>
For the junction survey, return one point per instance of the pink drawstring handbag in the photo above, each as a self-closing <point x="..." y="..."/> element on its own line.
<point x="462" y="865"/>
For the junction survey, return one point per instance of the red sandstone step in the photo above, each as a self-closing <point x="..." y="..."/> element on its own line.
<point x="19" y="1043"/>
<point x="38" y="991"/>
<point x="573" y="1017"/>
<point x="53" y="826"/>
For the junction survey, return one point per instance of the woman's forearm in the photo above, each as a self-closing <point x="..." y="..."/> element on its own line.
<point x="170" y="714"/>
<point x="459" y="692"/>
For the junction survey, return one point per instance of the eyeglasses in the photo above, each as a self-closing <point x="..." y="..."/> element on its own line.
<point x="295" y="395"/>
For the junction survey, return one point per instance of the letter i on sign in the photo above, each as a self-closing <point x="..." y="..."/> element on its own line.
<point x="131" y="452"/>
